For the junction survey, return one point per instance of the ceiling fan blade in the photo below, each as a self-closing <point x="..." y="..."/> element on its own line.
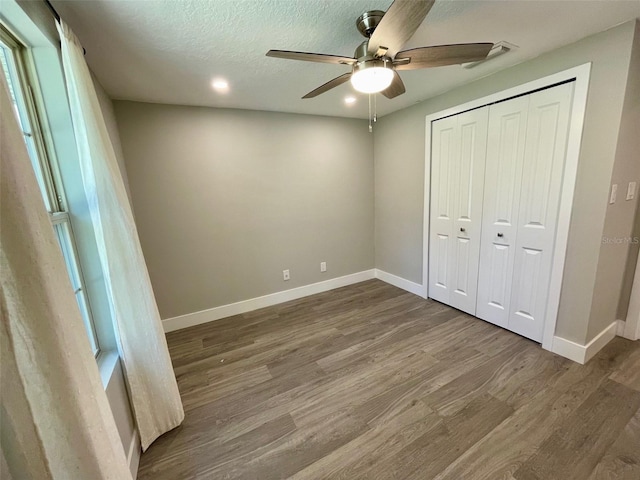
<point x="311" y="57"/>
<point x="396" y="88"/>
<point x="398" y="25"/>
<point x="329" y="85"/>
<point x="441" y="55"/>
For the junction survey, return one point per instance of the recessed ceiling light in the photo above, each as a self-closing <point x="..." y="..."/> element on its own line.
<point x="220" y="85"/>
<point x="350" y="100"/>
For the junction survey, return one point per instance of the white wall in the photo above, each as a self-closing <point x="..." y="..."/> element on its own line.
<point x="399" y="168"/>
<point x="225" y="200"/>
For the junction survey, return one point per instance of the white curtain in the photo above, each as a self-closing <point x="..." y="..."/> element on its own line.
<point x="55" y="416"/>
<point x="147" y="366"/>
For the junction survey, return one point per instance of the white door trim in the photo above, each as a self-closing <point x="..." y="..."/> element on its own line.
<point x="580" y="75"/>
<point x="632" y="323"/>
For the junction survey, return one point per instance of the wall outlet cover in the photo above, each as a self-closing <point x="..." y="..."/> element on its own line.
<point x="285" y="275"/>
<point x="614" y="194"/>
<point x="631" y="191"/>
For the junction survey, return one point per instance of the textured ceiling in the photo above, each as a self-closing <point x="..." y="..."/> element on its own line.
<point x="168" y="51"/>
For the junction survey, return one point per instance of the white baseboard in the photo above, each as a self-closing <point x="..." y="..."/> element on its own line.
<point x="583" y="353"/>
<point x="216" y="313"/>
<point x="628" y="330"/>
<point x="620" y="328"/>
<point x="568" y="349"/>
<point x="400" y="282"/>
<point x="133" y="457"/>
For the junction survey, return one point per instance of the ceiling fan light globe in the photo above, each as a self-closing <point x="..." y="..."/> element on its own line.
<point x="372" y="79"/>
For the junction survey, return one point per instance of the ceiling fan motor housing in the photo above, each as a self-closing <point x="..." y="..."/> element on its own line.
<point x="366" y="60"/>
<point x="370" y="62"/>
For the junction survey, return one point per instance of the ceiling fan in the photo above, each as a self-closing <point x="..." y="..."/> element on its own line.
<point x="376" y="61"/>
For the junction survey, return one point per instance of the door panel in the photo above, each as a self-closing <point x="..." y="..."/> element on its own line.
<point x="461" y="279"/>
<point x="524" y="294"/>
<point x="545" y="150"/>
<point x="468" y="148"/>
<point x="503" y="173"/>
<point x="445" y="139"/>
<point x="441" y="268"/>
<point x="458" y="162"/>
<point x="506" y="159"/>
<point x="499" y="264"/>
<point x="469" y="188"/>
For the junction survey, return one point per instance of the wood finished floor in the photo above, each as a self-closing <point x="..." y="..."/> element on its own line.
<point x="371" y="382"/>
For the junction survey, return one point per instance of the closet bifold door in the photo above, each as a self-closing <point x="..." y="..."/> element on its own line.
<point x="505" y="155"/>
<point x="542" y="172"/>
<point x="459" y="145"/>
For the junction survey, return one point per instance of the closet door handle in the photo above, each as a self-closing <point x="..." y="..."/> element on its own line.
<point x="500" y="235"/>
<point x="462" y="229"/>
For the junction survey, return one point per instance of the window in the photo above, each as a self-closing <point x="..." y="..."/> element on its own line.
<point x="13" y="55"/>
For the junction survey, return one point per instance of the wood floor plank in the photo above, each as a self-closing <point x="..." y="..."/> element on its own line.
<point x="348" y="392"/>
<point x="494" y="374"/>
<point x="629" y="372"/>
<point x="388" y="438"/>
<point x="578" y="444"/>
<point x="380" y="408"/>
<point x="371" y="382"/>
<point x="230" y="416"/>
<point x="622" y="460"/>
<point x="211" y="390"/>
<point x="293" y="452"/>
<point x="198" y="461"/>
<point x="432" y="452"/>
<point x="504" y="450"/>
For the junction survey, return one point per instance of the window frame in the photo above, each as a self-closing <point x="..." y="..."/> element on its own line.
<point x="52" y="186"/>
<point x="50" y="174"/>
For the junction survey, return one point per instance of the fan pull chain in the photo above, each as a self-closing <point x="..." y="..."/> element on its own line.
<point x="370" y="117"/>
<point x="375" y="108"/>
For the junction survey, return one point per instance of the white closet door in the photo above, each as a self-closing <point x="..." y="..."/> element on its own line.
<point x="544" y="155"/>
<point x="458" y="163"/>
<point x="505" y="155"/>
<point x="445" y="148"/>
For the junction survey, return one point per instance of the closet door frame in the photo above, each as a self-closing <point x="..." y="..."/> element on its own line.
<point x="580" y="76"/>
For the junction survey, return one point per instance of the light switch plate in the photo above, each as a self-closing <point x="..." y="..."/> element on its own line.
<point x="631" y="191"/>
<point x="614" y="193"/>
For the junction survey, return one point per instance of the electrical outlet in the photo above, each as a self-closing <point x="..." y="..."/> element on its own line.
<point x="323" y="266"/>
<point x="285" y="275"/>
<point x="614" y="193"/>
<point x="631" y="190"/>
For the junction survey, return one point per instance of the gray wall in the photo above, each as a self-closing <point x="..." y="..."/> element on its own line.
<point x="399" y="168"/>
<point x="627" y="168"/>
<point x="226" y="199"/>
